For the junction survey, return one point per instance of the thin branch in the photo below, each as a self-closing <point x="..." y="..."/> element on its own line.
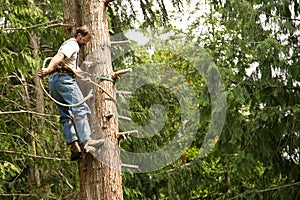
<point x="15" y="136"/>
<point x="128" y="133"/>
<point x="59" y="24"/>
<point x="30" y="155"/>
<point x="14" y="195"/>
<point x="277" y="16"/>
<point x="26" y="111"/>
<point x="37" y="25"/>
<point x="68" y="183"/>
<point x="12" y="101"/>
<point x="244" y="82"/>
<point x="23" y="28"/>
<point x="267" y="190"/>
<point x="125" y="92"/>
<point x="128" y="166"/>
<point x="280" y="17"/>
<point x="280" y="187"/>
<point x="124" y="118"/>
<point x="11" y="52"/>
<point x="115" y="43"/>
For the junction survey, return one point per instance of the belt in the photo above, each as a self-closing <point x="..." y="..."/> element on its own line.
<point x="64" y="72"/>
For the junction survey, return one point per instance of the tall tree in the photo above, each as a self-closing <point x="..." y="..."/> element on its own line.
<point x="20" y="57"/>
<point x="100" y="177"/>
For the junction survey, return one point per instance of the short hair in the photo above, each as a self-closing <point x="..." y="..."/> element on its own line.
<point x="83" y="30"/>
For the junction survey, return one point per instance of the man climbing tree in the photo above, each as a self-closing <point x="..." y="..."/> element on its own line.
<point x="100" y="178"/>
<point x="63" y="88"/>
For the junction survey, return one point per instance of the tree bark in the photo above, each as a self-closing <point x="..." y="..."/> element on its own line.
<point x="100" y="179"/>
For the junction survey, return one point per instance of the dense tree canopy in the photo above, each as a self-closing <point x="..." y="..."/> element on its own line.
<point x="255" y="48"/>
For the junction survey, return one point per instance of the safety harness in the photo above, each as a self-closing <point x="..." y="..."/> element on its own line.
<point x="84" y="78"/>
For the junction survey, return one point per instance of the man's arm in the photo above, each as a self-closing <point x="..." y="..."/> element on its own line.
<point x="52" y="65"/>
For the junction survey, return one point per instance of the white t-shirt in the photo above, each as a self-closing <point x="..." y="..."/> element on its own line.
<point x="70" y="49"/>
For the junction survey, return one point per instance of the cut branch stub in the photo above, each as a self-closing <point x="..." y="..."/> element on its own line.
<point x="115" y="43"/>
<point x="118" y="73"/>
<point x="124" y="118"/>
<point x="128" y="133"/>
<point x="129" y="166"/>
<point x="124" y="92"/>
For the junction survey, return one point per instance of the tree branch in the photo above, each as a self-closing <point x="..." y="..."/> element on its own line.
<point x="37" y="25"/>
<point x="280" y="187"/>
<point x="125" y="92"/>
<point x="59" y="24"/>
<point x="14" y="195"/>
<point x="115" y="43"/>
<point x="127" y="133"/>
<point x="281" y="17"/>
<point x="68" y="183"/>
<point x="11" y="52"/>
<point x="15" y="136"/>
<point x="30" y="155"/>
<point x="26" y="111"/>
<point x="116" y="74"/>
<point x="124" y="118"/>
<point x="129" y="166"/>
<point x="267" y="190"/>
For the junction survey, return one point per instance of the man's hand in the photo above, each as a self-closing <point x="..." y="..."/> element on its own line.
<point x="52" y="65"/>
<point x="44" y="72"/>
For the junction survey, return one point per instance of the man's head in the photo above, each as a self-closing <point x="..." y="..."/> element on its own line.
<point x="82" y="35"/>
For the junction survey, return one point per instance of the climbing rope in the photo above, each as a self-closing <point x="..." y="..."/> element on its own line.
<point x="84" y="79"/>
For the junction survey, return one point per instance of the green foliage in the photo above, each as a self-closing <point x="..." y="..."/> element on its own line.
<point x="260" y="105"/>
<point x="254" y="46"/>
<point x="256" y="156"/>
<point x="25" y="148"/>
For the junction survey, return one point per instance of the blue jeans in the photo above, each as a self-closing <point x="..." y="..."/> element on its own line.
<point x="64" y="89"/>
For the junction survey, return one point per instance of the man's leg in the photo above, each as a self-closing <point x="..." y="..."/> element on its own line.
<point x="70" y="132"/>
<point x="83" y="129"/>
<point x="61" y="91"/>
<point x="70" y="135"/>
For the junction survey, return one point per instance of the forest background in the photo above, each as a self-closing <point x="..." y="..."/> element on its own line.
<point x="255" y="47"/>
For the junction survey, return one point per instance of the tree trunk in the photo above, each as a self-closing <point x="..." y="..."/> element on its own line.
<point x="100" y="179"/>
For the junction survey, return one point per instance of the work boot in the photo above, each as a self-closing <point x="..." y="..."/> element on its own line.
<point x="93" y="145"/>
<point x="75" y="151"/>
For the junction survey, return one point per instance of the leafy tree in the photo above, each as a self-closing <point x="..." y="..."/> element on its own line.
<point x="31" y="31"/>
<point x="33" y="153"/>
<point x="254" y="44"/>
